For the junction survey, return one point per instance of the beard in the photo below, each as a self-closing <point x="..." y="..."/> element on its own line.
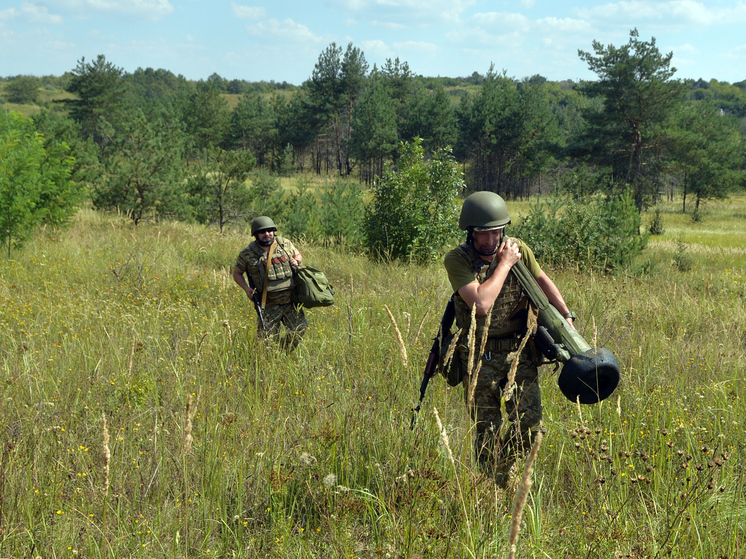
<point x="266" y="242"/>
<point x="486" y="252"/>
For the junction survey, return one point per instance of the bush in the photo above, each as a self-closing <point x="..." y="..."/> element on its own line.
<point x="681" y="260"/>
<point x="602" y="234"/>
<point x="331" y="214"/>
<point x="414" y="210"/>
<point x="656" y="224"/>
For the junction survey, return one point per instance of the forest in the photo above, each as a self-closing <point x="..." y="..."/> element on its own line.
<point x="151" y="144"/>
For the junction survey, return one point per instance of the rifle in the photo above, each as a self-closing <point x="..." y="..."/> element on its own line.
<point x="257" y="303"/>
<point x="433" y="359"/>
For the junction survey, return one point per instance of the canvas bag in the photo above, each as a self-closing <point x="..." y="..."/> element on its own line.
<point x="312" y="289"/>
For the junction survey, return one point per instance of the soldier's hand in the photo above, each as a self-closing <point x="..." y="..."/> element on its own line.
<point x="509" y="253"/>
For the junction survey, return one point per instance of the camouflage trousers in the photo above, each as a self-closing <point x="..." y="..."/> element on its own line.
<point x="288" y="315"/>
<point x="496" y="454"/>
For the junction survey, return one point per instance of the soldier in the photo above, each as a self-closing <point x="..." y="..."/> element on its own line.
<point x="269" y="261"/>
<point x="480" y="273"/>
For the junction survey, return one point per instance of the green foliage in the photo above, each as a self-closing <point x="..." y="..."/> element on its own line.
<point x="267" y="196"/>
<point x="35" y="184"/>
<point x="374" y="132"/>
<point x="252" y="126"/>
<point x="332" y="214"/>
<point x="143" y="170"/>
<point x="217" y="186"/>
<point x="597" y="234"/>
<point x="506" y="130"/>
<point x="656" y="224"/>
<point x="682" y="261"/>
<point x="636" y="84"/>
<point x="23" y="90"/>
<point x="706" y="151"/>
<point x="205" y="115"/>
<point x="100" y="90"/>
<point x="285" y="164"/>
<point x="414" y="211"/>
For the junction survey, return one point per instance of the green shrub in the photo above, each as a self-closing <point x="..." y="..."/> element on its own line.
<point x="331" y="214"/>
<point x="602" y="234"/>
<point x="267" y="197"/>
<point x="656" y="224"/>
<point x="414" y="210"/>
<point x="681" y="260"/>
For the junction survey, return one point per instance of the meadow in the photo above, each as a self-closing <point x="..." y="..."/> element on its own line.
<point x="141" y="417"/>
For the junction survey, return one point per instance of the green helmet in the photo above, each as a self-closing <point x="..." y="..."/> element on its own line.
<point x="261" y="223"/>
<point x="485" y="210"/>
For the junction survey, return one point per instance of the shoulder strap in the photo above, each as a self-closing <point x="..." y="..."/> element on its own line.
<point x="266" y="276"/>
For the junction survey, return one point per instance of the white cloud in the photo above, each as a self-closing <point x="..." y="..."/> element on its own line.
<point x="673" y="12"/>
<point x="497" y="21"/>
<point x="563" y="25"/>
<point x="8" y="14"/>
<point x="421" y="47"/>
<point x="388" y="25"/>
<point x="686" y="49"/>
<point x="377" y="48"/>
<point x="248" y="12"/>
<point x="286" y="29"/>
<point x="38" y="14"/>
<point x="150" y="10"/>
<point x="407" y="13"/>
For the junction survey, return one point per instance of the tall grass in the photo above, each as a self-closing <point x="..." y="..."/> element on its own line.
<point x="311" y="454"/>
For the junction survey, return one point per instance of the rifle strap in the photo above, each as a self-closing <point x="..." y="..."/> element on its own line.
<point x="266" y="276"/>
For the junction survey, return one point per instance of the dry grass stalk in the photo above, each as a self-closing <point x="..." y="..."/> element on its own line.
<point x="422" y="321"/>
<point x="199" y="346"/>
<point x="516" y="355"/>
<point x="470" y="343"/>
<point x="444" y="437"/>
<point x="399" y="339"/>
<point x="486" y="330"/>
<point x="451" y="349"/>
<point x="521" y="495"/>
<point x="191" y="411"/>
<point x="595" y="333"/>
<point x="227" y="326"/>
<point x="132" y="355"/>
<point x="446" y="443"/>
<point x="107" y="455"/>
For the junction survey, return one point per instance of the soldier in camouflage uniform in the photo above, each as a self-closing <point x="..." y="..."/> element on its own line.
<point x="274" y="281"/>
<point x="480" y="273"/>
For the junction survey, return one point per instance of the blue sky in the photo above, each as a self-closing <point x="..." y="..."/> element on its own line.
<point x="281" y="40"/>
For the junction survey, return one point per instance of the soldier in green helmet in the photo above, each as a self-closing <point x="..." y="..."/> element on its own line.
<point x="480" y="273"/>
<point x="268" y="262"/>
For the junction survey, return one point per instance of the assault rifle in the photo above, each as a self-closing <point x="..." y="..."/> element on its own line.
<point x="257" y="303"/>
<point x="433" y="359"/>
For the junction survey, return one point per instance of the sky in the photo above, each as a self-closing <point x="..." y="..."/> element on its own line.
<point x="281" y="40"/>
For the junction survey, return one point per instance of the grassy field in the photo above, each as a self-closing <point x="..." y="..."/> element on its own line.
<point x="141" y="418"/>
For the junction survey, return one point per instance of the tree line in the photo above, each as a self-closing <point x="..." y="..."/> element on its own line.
<point x="151" y="143"/>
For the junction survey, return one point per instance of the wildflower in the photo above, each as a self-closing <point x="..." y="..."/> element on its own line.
<point x="307" y="459"/>
<point x="330" y="480"/>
